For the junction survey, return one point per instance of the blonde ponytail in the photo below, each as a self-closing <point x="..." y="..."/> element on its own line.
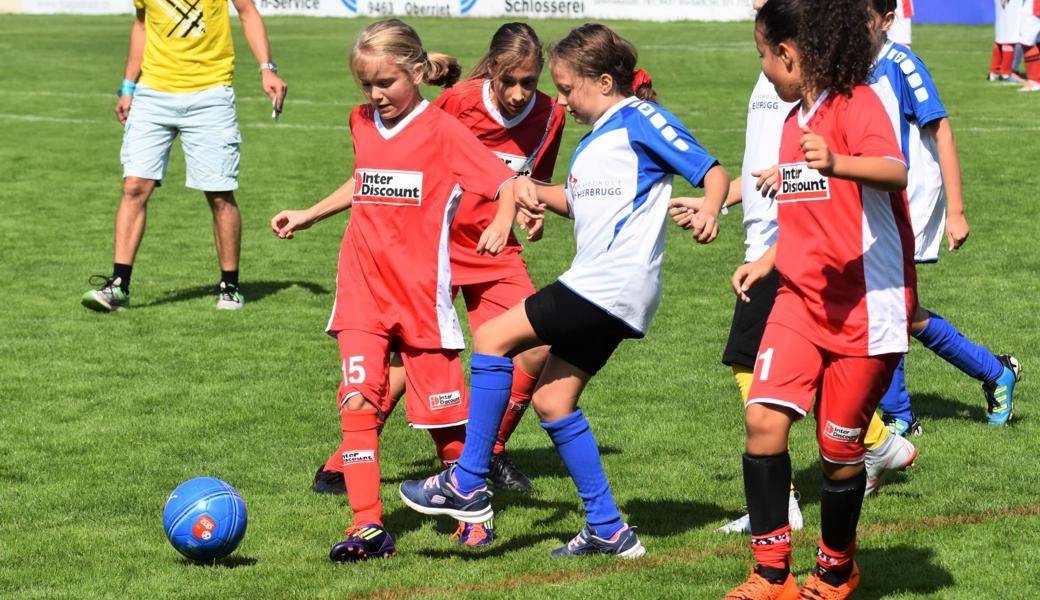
<point x="398" y="40"/>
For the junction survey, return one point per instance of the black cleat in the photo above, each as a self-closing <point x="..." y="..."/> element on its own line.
<point x="330" y="483"/>
<point x="505" y="475"/>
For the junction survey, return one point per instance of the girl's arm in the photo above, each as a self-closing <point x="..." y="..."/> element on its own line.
<point x="705" y="222"/>
<point x="883" y="174"/>
<point x="957" y="229"/>
<point x="748" y="273"/>
<point x="496" y="236"/>
<point x="287" y="222"/>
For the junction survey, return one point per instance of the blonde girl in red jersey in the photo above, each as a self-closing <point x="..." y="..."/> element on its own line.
<point x="500" y="103"/>
<point x="393" y="290"/>
<point x="841" y="318"/>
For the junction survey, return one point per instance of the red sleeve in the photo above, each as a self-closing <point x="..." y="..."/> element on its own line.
<point x="545" y="163"/>
<point x="868" y="130"/>
<point x="478" y="170"/>
<point x="449" y="102"/>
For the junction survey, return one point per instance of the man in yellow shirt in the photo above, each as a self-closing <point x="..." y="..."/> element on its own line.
<point x="178" y="82"/>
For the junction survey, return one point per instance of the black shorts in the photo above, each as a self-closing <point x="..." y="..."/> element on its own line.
<point x="575" y="329"/>
<point x="749" y="322"/>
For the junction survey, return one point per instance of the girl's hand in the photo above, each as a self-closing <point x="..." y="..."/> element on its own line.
<point x="957" y="230"/>
<point x="767" y="180"/>
<point x="705" y="227"/>
<point x="746" y="275"/>
<point x="494" y="238"/>
<point x="526" y="195"/>
<point x="817" y="155"/>
<point x="535" y="226"/>
<point x="288" y="222"/>
<point x="682" y="210"/>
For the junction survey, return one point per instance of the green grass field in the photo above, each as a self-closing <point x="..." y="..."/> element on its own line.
<point x="103" y="415"/>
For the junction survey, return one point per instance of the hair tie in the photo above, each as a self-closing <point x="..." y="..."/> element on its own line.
<point x="640" y="78"/>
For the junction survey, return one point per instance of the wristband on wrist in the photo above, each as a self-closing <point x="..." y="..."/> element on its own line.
<point x="269" y="66"/>
<point x="126" y="88"/>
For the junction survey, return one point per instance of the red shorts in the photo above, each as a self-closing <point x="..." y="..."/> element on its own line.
<point x="793" y="372"/>
<point x="435" y="387"/>
<point x="487" y="300"/>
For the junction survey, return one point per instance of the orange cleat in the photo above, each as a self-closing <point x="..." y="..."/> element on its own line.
<point x="760" y="588"/>
<point x="816" y="588"/>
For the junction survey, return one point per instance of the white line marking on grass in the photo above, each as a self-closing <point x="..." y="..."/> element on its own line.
<point x="58" y="94"/>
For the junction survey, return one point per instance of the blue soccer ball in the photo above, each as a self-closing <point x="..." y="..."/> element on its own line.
<point x="205" y="519"/>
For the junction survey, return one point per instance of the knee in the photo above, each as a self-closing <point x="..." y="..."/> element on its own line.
<point x="919" y="320"/>
<point x="137" y="190"/>
<point x="767" y="428"/>
<point x="485" y="341"/>
<point x="836" y="472"/>
<point x="533" y="361"/>
<point x="222" y="202"/>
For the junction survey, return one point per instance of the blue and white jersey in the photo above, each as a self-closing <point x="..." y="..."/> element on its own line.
<point x="908" y="93"/>
<point x="618" y="189"/>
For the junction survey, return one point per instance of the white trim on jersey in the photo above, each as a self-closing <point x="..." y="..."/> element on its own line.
<point x="414" y="426"/>
<point x="447" y="319"/>
<point x="805" y="117"/>
<point x="783" y="403"/>
<point x="390" y="132"/>
<point x="489" y="105"/>
<point x="883" y="275"/>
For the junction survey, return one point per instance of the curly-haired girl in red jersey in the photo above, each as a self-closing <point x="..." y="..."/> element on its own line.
<point x="848" y="287"/>
<point x="393" y="290"/>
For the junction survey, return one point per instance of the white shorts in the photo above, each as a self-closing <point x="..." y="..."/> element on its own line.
<point x="208" y="127"/>
<point x="1028" y="24"/>
<point x="1006" y="23"/>
<point x="901" y="29"/>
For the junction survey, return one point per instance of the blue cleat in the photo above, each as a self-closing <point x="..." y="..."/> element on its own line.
<point x="624" y="543"/>
<point x="363" y="542"/>
<point x="902" y="427"/>
<point x="1000" y="391"/>
<point x="475" y="535"/>
<point x="439" y="495"/>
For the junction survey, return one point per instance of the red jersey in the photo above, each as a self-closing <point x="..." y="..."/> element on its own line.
<point x="845" y="252"/>
<point x="528" y="143"/>
<point x="394" y="275"/>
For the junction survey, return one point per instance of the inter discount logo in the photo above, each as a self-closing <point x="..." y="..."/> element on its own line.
<point x="384" y="186"/>
<point x="799" y="183"/>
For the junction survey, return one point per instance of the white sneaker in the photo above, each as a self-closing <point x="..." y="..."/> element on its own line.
<point x="1030" y="86"/>
<point x="229" y="297"/>
<point x="896" y="453"/>
<point x="743" y="524"/>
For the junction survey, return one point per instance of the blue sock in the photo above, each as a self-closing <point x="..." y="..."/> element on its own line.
<point x="943" y="339"/>
<point x="896" y="401"/>
<point x="491" y="378"/>
<point x="577" y="447"/>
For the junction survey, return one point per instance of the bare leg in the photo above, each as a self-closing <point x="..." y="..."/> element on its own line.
<point x="227" y="228"/>
<point x="130" y="218"/>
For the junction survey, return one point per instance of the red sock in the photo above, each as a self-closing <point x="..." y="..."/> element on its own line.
<point x="1007" y="58"/>
<point x="449" y="442"/>
<point x="774" y="548"/>
<point x="360" y="464"/>
<point x="1031" y="58"/>
<point x="519" y="400"/>
<point x="994" y="66"/>
<point x="835" y="560"/>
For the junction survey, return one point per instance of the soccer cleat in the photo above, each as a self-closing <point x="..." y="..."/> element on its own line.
<point x="363" y="542"/>
<point x="896" y="453"/>
<point x="110" y="297"/>
<point x="1000" y="391"/>
<point x="330" y="483"/>
<point x="624" y="543"/>
<point x="902" y="427"/>
<point x="475" y="535"/>
<point x="229" y="297"/>
<point x="760" y="588"/>
<point x="439" y="495"/>
<point x="994" y="77"/>
<point x="743" y="524"/>
<point x="504" y="474"/>
<point x="816" y="586"/>
<point x="1030" y="86"/>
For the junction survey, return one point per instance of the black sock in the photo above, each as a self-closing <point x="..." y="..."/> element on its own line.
<point x="767" y="483"/>
<point x="840" y="504"/>
<point x="230" y="277"/>
<point x="122" y="273"/>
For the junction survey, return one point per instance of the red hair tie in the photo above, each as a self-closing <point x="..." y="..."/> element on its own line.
<point x="640" y="78"/>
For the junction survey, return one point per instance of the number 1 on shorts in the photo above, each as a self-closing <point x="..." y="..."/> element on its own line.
<point x="767" y="359"/>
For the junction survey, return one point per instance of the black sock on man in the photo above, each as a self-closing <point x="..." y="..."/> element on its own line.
<point x="230" y="277"/>
<point x="122" y="273"/>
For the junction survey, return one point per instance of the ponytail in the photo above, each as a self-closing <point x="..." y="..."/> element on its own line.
<point x="398" y="40"/>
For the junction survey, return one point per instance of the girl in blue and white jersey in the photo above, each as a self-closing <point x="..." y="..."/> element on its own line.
<point x="617" y="191"/>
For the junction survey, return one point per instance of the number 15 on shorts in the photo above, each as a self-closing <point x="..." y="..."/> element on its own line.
<point x="353" y="371"/>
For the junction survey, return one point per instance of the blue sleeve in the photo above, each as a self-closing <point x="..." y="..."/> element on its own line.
<point x="667" y="143"/>
<point x="920" y="99"/>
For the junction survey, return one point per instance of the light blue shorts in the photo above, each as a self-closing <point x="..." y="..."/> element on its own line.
<point x="208" y="127"/>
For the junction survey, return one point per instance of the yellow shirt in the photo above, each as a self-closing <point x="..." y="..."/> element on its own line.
<point x="187" y="45"/>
